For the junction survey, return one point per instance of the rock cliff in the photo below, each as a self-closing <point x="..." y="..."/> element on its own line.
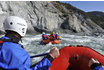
<point x="49" y="16"/>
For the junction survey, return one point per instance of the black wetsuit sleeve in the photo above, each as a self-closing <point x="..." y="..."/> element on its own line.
<point x="95" y="65"/>
<point x="50" y="58"/>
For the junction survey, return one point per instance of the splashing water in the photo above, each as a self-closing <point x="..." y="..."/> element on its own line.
<point x="32" y="44"/>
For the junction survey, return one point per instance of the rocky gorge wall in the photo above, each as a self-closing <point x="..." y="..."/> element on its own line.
<point x="48" y="16"/>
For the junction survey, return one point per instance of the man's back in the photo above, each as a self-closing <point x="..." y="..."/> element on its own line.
<point x="12" y="56"/>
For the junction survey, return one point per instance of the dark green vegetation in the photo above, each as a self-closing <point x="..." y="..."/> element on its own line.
<point x="97" y="17"/>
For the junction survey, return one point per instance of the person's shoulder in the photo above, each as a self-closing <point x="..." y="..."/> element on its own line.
<point x="11" y="45"/>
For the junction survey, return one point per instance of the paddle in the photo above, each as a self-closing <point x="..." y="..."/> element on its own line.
<point x="39" y="55"/>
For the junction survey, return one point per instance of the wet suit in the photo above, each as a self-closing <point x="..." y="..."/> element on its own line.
<point x="13" y="57"/>
<point x="97" y="66"/>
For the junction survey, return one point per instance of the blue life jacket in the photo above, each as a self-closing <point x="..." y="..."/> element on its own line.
<point x="99" y="68"/>
<point x="13" y="57"/>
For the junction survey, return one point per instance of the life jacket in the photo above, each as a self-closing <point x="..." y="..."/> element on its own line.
<point x="52" y="36"/>
<point x="48" y="36"/>
<point x="12" y="55"/>
<point x="57" y="36"/>
<point x="44" y="35"/>
<point x="8" y="40"/>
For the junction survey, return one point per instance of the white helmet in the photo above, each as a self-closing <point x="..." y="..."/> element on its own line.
<point x="56" y="32"/>
<point x="16" y="24"/>
<point x="43" y="33"/>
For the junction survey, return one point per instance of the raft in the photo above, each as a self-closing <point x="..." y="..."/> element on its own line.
<point x="75" y="58"/>
<point x="50" y="41"/>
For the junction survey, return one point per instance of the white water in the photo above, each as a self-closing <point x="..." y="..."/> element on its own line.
<point x="33" y="47"/>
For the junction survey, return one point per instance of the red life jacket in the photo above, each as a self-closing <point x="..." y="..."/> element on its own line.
<point x="48" y="36"/>
<point x="52" y="36"/>
<point x="44" y="36"/>
<point x="57" y="37"/>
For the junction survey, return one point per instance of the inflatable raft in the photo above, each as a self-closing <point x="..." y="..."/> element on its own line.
<point x="75" y="58"/>
<point x="50" y="41"/>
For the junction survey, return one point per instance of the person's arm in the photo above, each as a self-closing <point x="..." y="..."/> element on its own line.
<point x="95" y="65"/>
<point x="45" y="64"/>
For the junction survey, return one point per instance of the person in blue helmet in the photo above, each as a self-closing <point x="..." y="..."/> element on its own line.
<point x="12" y="55"/>
<point x="95" y="64"/>
<point x="44" y="36"/>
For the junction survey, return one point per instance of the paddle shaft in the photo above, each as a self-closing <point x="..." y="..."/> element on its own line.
<point x="39" y="55"/>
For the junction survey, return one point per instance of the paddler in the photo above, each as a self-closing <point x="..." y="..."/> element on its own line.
<point x="57" y="36"/>
<point x="12" y="55"/>
<point x="95" y="64"/>
<point x="44" y="36"/>
<point x="52" y="36"/>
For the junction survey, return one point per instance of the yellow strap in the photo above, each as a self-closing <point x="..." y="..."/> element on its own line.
<point x="60" y="37"/>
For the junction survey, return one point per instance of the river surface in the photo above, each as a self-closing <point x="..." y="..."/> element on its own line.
<point x="32" y="44"/>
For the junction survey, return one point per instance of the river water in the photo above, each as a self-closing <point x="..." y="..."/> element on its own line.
<point x="32" y="44"/>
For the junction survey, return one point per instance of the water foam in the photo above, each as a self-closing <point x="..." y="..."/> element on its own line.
<point x="33" y="47"/>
